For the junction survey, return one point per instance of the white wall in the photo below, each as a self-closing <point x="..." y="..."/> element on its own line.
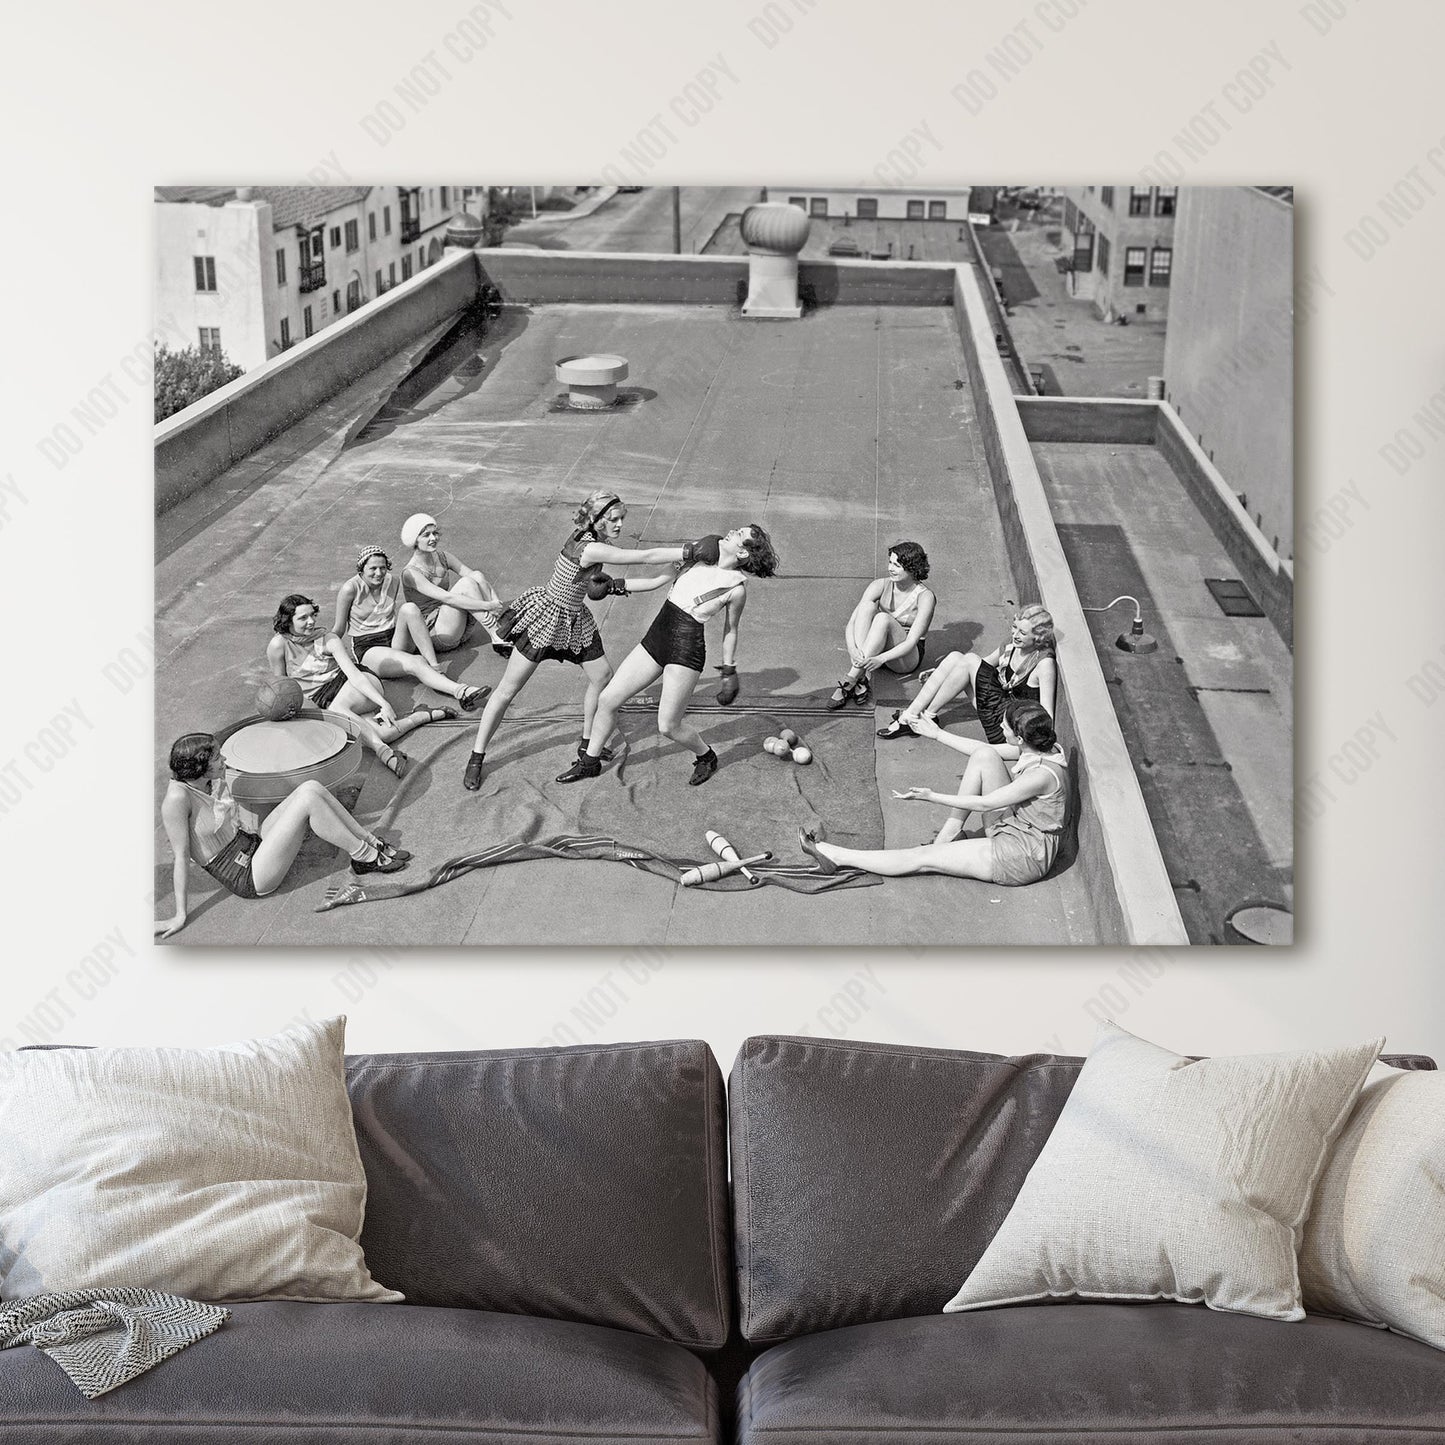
<point x="77" y="809"/>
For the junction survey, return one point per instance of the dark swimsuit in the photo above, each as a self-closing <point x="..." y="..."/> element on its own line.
<point x="231" y="867"/>
<point x="995" y="687"/>
<point x="676" y="638"/>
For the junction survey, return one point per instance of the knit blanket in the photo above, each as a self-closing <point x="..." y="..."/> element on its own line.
<point x="103" y="1337"/>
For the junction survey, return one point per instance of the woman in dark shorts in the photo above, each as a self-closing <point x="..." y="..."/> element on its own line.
<point x="1023" y="669"/>
<point x="553" y="623"/>
<point x="1024" y="806"/>
<point x="322" y="663"/>
<point x="383" y="629"/>
<point x="200" y="817"/>
<point x="675" y="650"/>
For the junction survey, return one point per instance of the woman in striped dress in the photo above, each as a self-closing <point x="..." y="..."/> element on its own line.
<point x="553" y="622"/>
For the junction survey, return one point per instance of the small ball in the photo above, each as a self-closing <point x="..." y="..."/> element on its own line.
<point x="776" y="746"/>
<point x="790" y="737"/>
<point x="803" y="755"/>
<point x="279" y="698"/>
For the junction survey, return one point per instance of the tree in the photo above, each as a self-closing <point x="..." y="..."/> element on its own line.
<point x="182" y="377"/>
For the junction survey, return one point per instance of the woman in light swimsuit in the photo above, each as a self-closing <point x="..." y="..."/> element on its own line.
<point x="448" y="592"/>
<point x="1022" y="668"/>
<point x="552" y="622"/>
<point x="889" y="625"/>
<point x="201" y="824"/>
<point x="1024" y="810"/>
<point x="675" y="649"/>
<point x="383" y="630"/>
<point x="330" y="679"/>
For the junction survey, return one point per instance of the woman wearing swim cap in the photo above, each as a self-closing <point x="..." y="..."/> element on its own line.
<point x="448" y="592"/>
<point x="553" y="622"/>
<point x="383" y="629"/>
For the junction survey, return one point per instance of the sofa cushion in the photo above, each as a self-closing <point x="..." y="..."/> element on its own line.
<point x="573" y="1183"/>
<point x="1105" y="1374"/>
<point x="313" y="1374"/>
<point x="868" y="1178"/>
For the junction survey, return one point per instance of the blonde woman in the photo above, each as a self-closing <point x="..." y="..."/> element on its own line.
<point x="1022" y="668"/>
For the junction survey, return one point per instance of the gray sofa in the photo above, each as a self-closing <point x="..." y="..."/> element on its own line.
<point x="867" y="1181"/>
<point x="559" y="1221"/>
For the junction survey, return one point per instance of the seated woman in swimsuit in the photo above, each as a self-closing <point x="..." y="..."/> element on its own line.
<point x="1024" y="810"/>
<point x="889" y="625"/>
<point x="1023" y="667"/>
<point x="448" y="592"/>
<point x="200" y="817"/>
<point x="383" y="629"/>
<point x="330" y="679"/>
<point x="675" y="650"/>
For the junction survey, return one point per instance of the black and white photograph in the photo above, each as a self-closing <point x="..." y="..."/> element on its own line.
<point x="747" y="564"/>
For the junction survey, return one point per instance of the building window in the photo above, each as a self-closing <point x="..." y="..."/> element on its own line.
<point x="306" y="325"/>
<point x="380" y="288"/>
<point x="1084" y="251"/>
<point x="391" y="273"/>
<point x="818" y="206"/>
<point x="335" y="237"/>
<point x="353" y="237"/>
<point x="1134" y="257"/>
<point x="938" y="210"/>
<point x="353" y="294"/>
<point x="1106" y="194"/>
<point x="371" y="225"/>
<point x="444" y="198"/>
<point x="205" y="273"/>
<point x="406" y="267"/>
<point x="1103" y="254"/>
<point x="280" y="268"/>
<point x="1138" y="200"/>
<point x="336" y="303"/>
<point x="211" y="338"/>
<point x="434" y="200"/>
<point x="285" y="332"/>
<point x="915" y="210"/>
<point x="867" y="208"/>
<point x="386" y="219"/>
<point x="1164" y="199"/>
<point x="1160" y="265"/>
<point x="801" y="202"/>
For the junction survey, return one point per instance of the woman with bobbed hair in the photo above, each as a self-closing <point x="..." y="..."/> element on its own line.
<point x="553" y="622"/>
<point x="889" y="625"/>
<point x="200" y="817"/>
<point x="1022" y="668"/>
<point x="1024" y="810"/>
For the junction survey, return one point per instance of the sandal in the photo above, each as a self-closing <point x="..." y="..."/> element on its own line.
<point x="437" y="714"/>
<point x="388" y="850"/>
<point x="808" y="840"/>
<point x="863" y="692"/>
<point x="840" y="695"/>
<point x="473" y="698"/>
<point x="394" y="762"/>
<point x="897" y="728"/>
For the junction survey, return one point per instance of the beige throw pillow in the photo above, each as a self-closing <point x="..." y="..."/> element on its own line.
<point x="222" y="1174"/>
<point x="1374" y="1244"/>
<point x="1171" y="1178"/>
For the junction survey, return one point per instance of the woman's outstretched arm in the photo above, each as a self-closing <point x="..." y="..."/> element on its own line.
<point x="625" y="556"/>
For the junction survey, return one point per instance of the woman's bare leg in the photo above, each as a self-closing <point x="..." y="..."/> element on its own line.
<point x="599" y="674"/>
<point x="387" y="662"/>
<point x="514" y="679"/>
<point x="677" y="685"/>
<point x="968" y="858"/>
<point x="986" y="771"/>
<point x="953" y="676"/>
<point x="638" y="671"/>
<point x="310" y="809"/>
<point x="410" y="633"/>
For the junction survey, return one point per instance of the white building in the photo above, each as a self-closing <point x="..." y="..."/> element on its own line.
<point x="254" y="269"/>
<point x="935" y="203"/>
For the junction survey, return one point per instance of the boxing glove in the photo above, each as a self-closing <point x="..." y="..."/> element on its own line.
<point x="728" y="692"/>
<point x="601" y="585"/>
<point x="704" y="549"/>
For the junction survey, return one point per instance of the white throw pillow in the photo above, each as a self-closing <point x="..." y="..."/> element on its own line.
<point x="222" y="1174"/>
<point x="1374" y="1244"/>
<point x="1171" y="1178"/>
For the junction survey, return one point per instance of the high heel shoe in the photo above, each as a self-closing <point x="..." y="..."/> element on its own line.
<point x="472" y="777"/>
<point x="808" y="840"/>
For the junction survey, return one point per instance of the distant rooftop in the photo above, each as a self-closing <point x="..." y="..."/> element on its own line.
<point x="290" y="205"/>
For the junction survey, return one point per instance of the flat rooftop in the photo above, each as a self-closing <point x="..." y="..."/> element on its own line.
<point x="841" y="434"/>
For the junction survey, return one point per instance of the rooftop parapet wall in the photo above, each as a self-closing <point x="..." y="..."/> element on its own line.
<point x="1118" y="852"/>
<point x="525" y="277"/>
<point x="1153" y="423"/>
<point x="198" y="444"/>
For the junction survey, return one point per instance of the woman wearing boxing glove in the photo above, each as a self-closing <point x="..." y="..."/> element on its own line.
<point x="554" y="623"/>
<point x="675" y="650"/>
